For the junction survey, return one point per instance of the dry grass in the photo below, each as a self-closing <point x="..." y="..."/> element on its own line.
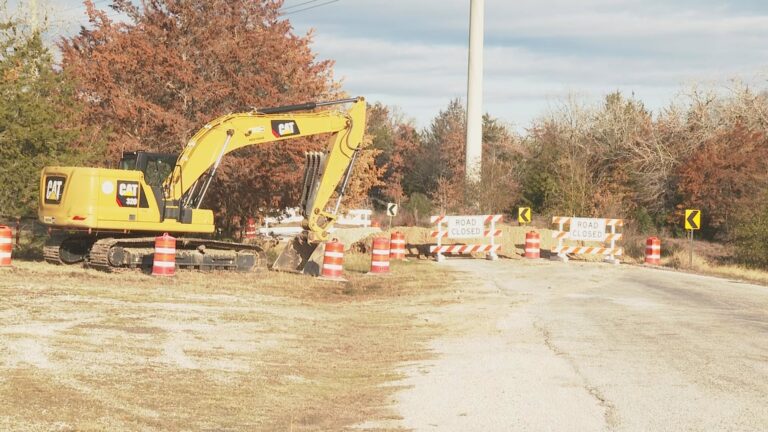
<point x="680" y="259"/>
<point x="84" y="350"/>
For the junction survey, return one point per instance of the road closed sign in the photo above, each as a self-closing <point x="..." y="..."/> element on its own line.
<point x="587" y="229"/>
<point x="465" y="226"/>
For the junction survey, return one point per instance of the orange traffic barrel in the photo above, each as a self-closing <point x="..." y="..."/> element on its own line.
<point x="380" y="256"/>
<point x="532" y="244"/>
<point x="653" y="251"/>
<point x="165" y="256"/>
<point x="6" y="245"/>
<point x="250" y="229"/>
<point x="397" y="246"/>
<point x="333" y="261"/>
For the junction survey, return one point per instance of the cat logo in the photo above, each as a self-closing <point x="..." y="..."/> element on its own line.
<point x="128" y="189"/>
<point x="127" y="194"/>
<point x="284" y="128"/>
<point x="54" y="188"/>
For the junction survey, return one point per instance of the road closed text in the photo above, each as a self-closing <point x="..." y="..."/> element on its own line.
<point x="587" y="229"/>
<point x="465" y="226"/>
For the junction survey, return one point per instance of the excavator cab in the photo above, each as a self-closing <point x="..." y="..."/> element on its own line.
<point x="155" y="166"/>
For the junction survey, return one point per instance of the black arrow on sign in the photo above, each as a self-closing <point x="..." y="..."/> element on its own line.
<point x="527" y="214"/>
<point x="390" y="209"/>
<point x="692" y="219"/>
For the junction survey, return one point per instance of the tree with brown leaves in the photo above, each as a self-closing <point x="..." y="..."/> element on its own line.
<point x="725" y="176"/>
<point x="174" y="65"/>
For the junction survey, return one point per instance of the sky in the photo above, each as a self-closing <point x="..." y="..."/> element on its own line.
<point x="538" y="53"/>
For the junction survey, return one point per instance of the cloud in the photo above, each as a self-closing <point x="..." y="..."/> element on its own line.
<point x="414" y="54"/>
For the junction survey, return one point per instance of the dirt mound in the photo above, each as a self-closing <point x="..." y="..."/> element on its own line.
<point x="418" y="240"/>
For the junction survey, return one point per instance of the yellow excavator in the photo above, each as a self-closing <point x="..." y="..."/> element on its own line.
<point x="108" y="218"/>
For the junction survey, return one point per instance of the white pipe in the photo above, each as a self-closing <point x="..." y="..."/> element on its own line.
<point x="475" y="92"/>
<point x="33" y="15"/>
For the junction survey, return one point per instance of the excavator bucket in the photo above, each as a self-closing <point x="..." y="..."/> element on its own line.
<point x="296" y="257"/>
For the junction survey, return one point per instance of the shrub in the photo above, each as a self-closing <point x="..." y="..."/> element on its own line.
<point x="750" y="236"/>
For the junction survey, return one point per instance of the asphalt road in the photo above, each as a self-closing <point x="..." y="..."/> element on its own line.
<point x="592" y="347"/>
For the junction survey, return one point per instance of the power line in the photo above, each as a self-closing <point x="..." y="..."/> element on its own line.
<point x="287" y="8"/>
<point x="112" y="14"/>
<point x="77" y="21"/>
<point x="299" y="4"/>
<point x="95" y="3"/>
<point x="310" y="7"/>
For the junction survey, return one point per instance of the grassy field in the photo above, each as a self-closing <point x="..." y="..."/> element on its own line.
<point x="85" y="350"/>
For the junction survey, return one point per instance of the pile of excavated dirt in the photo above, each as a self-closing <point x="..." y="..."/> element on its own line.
<point x="512" y="241"/>
<point x="418" y="240"/>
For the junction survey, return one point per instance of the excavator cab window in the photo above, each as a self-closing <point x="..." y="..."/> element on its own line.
<point x="155" y="166"/>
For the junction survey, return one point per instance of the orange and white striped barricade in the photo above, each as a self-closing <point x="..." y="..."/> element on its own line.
<point x="532" y="245"/>
<point x="653" y="251"/>
<point x="250" y="229"/>
<point x="333" y="262"/>
<point x="397" y="246"/>
<point x="6" y="246"/>
<point x="600" y="230"/>
<point x="472" y="227"/>
<point x="164" y="262"/>
<point x="380" y="256"/>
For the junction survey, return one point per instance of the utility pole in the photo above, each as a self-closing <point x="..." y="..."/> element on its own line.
<point x="475" y="91"/>
<point x="33" y="15"/>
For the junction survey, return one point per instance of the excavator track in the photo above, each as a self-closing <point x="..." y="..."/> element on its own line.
<point x="98" y="258"/>
<point x="51" y="254"/>
<point x="63" y="249"/>
<point x="124" y="254"/>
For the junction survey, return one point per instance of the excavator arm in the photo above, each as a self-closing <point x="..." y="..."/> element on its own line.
<point x="187" y="185"/>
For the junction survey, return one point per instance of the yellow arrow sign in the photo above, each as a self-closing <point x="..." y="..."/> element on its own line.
<point x="524" y="215"/>
<point x="692" y="219"/>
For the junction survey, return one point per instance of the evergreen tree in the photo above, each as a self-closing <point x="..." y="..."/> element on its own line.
<point x="37" y="114"/>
